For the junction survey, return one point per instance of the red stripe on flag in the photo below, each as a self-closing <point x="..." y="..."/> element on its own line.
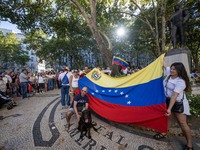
<point x="117" y="63"/>
<point x="147" y="116"/>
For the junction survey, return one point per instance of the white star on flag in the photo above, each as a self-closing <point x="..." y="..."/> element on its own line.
<point x="129" y="102"/>
<point x="103" y="91"/>
<point x="92" y="93"/>
<point x="109" y="90"/>
<point x="121" y="93"/>
<point x="115" y="91"/>
<point x="126" y="96"/>
<point x="97" y="91"/>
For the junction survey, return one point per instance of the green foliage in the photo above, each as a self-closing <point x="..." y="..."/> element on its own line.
<point x="61" y="20"/>
<point x="141" y="40"/>
<point x="26" y="15"/>
<point x="194" y="101"/>
<point x="193" y="32"/>
<point x="34" y="39"/>
<point x="11" y="50"/>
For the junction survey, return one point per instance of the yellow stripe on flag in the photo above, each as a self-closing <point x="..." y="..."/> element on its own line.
<point x="151" y="72"/>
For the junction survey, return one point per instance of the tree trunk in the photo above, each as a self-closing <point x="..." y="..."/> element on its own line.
<point x="105" y="52"/>
<point x="156" y="30"/>
<point x="163" y="10"/>
<point x="97" y="34"/>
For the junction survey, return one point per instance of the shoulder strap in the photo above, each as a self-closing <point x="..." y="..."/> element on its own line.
<point x="183" y="96"/>
<point x="166" y="84"/>
<point x="65" y="74"/>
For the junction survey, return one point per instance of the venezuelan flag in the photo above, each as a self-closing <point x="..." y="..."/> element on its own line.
<point x="119" y="61"/>
<point x="136" y="99"/>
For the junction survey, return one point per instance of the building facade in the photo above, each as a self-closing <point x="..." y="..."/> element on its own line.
<point x="32" y="64"/>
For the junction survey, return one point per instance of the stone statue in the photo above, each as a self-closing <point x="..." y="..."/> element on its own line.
<point x="177" y="25"/>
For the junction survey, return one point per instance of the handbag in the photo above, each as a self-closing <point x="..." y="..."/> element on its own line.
<point x="178" y="106"/>
<point x="29" y="88"/>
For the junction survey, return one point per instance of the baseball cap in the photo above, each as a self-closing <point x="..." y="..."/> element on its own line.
<point x="66" y="68"/>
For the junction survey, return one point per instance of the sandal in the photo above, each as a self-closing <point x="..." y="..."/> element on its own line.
<point x="188" y="148"/>
<point x="159" y="136"/>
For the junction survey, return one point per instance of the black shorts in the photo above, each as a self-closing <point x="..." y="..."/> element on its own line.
<point x="41" y="85"/>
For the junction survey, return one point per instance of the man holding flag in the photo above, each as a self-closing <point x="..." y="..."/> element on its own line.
<point x="120" y="61"/>
<point x="119" y="65"/>
<point x="135" y="99"/>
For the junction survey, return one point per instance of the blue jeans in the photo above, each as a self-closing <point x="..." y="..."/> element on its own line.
<point x="24" y="86"/>
<point x="50" y="84"/>
<point x="64" y="94"/>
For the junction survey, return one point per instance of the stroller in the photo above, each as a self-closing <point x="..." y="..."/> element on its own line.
<point x="6" y="99"/>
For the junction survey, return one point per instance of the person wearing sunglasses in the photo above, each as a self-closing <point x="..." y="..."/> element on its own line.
<point x="79" y="104"/>
<point x="73" y="82"/>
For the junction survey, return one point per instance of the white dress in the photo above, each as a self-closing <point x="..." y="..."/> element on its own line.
<point x="177" y="85"/>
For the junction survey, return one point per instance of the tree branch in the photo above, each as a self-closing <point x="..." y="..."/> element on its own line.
<point x="108" y="40"/>
<point x="143" y="15"/>
<point x="93" y="4"/>
<point x="81" y="9"/>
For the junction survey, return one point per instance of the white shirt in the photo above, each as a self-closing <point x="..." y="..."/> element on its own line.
<point x="125" y="71"/>
<point x="2" y="85"/>
<point x="32" y="79"/>
<point x="40" y="79"/>
<point x="176" y="85"/>
<point x="75" y="82"/>
<point x="61" y="76"/>
<point x="9" y="78"/>
<point x="5" y="79"/>
<point x="50" y="76"/>
<point x="23" y="77"/>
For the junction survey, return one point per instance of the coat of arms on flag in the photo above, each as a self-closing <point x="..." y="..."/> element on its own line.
<point x="96" y="74"/>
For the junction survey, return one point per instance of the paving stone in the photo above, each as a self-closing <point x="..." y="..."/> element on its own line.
<point x="39" y="123"/>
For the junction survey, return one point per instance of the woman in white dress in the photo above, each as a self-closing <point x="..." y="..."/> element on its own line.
<point x="175" y="84"/>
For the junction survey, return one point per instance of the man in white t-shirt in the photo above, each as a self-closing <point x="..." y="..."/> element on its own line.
<point x="2" y="84"/>
<point x="64" y="87"/>
<point x="23" y="78"/>
<point x="4" y="98"/>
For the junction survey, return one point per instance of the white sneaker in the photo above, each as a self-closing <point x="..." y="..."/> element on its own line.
<point x="63" y="107"/>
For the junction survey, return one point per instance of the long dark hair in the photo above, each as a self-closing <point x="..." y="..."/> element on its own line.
<point x="180" y="68"/>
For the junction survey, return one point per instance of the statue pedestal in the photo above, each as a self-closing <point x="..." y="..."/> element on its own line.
<point x="179" y="55"/>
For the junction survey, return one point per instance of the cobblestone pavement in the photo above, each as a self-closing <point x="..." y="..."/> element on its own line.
<point x="39" y="122"/>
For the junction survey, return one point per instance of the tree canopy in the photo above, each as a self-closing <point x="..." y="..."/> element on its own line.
<point x="11" y="50"/>
<point x="74" y="26"/>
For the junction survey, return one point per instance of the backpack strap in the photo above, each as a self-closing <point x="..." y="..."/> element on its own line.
<point x="166" y="85"/>
<point x="63" y="78"/>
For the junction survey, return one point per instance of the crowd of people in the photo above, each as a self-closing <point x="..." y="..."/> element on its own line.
<point x="14" y="85"/>
<point x="21" y="84"/>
